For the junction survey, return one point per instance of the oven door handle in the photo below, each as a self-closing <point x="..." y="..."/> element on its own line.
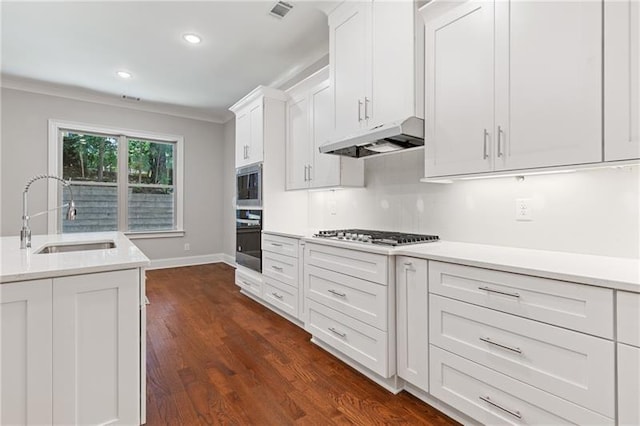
<point x="253" y="222"/>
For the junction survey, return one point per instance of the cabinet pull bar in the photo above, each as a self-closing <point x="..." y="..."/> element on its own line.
<point x="485" y="152"/>
<point x="500" y="345"/>
<point x="309" y="166"/>
<point x="499" y="141"/>
<point x="277" y="268"/>
<point x="407" y="263"/>
<point x="488" y="400"/>
<point x="491" y="290"/>
<point x="276" y="244"/>
<point x="337" y="293"/>
<point x="245" y="283"/>
<point x="277" y="296"/>
<point x="366" y="108"/>
<point x="359" y="110"/>
<point x="334" y="331"/>
<point x="305" y="173"/>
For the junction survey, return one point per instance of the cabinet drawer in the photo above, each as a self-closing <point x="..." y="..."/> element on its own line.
<point x="280" y="267"/>
<point x="281" y="295"/>
<point x="568" y="364"/>
<point x="360" y="299"/>
<point x="493" y="398"/>
<point x="629" y="318"/>
<point x="360" y="264"/>
<point x="575" y="306"/>
<point x="281" y="245"/>
<point x="360" y="342"/>
<point x="628" y="385"/>
<point x="249" y="283"/>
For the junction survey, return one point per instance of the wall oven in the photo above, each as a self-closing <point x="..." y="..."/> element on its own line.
<point x="249" y="239"/>
<point x="249" y="186"/>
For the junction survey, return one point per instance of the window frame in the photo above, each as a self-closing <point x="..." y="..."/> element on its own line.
<point x="55" y="168"/>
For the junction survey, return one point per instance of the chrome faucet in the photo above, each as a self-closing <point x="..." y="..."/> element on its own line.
<point x="25" y="232"/>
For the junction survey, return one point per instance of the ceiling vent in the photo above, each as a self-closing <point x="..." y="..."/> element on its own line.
<point x="280" y="9"/>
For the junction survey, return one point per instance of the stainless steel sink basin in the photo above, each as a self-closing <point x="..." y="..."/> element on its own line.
<point x="71" y="247"/>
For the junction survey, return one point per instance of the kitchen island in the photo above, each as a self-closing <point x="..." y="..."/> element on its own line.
<point x="72" y="330"/>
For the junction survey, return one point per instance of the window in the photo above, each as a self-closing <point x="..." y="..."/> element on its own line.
<point x="121" y="180"/>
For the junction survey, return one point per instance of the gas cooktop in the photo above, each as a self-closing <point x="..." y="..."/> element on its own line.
<point x="377" y="237"/>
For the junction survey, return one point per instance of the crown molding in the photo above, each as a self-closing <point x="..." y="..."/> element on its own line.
<point x="87" y="95"/>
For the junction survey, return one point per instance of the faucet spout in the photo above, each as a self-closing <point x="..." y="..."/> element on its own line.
<point x="25" y="232"/>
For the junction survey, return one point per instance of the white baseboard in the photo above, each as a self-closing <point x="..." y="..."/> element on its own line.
<point x="192" y="260"/>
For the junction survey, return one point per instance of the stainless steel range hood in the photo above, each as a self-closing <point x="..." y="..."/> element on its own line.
<point x="381" y="139"/>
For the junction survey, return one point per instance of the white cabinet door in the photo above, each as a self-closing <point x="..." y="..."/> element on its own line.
<point x="297" y="150"/>
<point x="96" y="348"/>
<point x="243" y="135"/>
<point x="256" y="143"/>
<point x="621" y="79"/>
<point x="548" y="83"/>
<point x="628" y="385"/>
<point x="350" y="59"/>
<point x="412" y="321"/>
<point x="325" y="169"/>
<point x="459" y="79"/>
<point x="26" y="353"/>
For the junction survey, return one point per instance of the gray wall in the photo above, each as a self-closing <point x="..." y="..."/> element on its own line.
<point x="24" y="150"/>
<point x="229" y="200"/>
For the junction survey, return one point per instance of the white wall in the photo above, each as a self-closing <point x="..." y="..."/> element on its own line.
<point x="24" y="154"/>
<point x="593" y="212"/>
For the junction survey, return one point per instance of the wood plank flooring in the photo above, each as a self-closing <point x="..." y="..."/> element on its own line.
<point x="216" y="357"/>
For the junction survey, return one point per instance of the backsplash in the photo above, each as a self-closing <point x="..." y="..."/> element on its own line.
<point x="591" y="212"/>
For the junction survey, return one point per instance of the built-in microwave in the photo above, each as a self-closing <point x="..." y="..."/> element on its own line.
<point x="249" y="186"/>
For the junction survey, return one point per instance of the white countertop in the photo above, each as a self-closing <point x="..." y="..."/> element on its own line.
<point x="611" y="272"/>
<point x="25" y="264"/>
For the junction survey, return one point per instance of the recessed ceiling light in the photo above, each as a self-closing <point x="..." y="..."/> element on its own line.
<point x="124" y="74"/>
<point x="192" y="38"/>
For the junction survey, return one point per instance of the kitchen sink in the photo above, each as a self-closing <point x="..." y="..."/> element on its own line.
<point x="72" y="247"/>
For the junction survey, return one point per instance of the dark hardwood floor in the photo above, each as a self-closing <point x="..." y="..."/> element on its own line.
<point x="216" y="357"/>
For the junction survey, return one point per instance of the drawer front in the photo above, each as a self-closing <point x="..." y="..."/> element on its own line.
<point x="628" y="385"/>
<point x="629" y="318"/>
<point x="249" y="284"/>
<point x="367" y="266"/>
<point x="568" y="364"/>
<point x="360" y="299"/>
<point x="281" y="296"/>
<point x="365" y="344"/>
<point x="281" y="245"/>
<point x="280" y="267"/>
<point x="493" y="398"/>
<point x="575" y="306"/>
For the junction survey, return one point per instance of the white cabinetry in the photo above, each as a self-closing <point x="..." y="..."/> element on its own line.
<point x="628" y="358"/>
<point x="71" y="350"/>
<point x="621" y="79"/>
<point x="374" y="71"/>
<point x="281" y="274"/>
<point x="412" y="321"/>
<point x="250" y="116"/>
<point x="26" y="353"/>
<point x="309" y="125"/>
<point x="545" y="107"/>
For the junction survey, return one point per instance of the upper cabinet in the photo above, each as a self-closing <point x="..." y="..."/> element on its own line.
<point x="621" y="79"/>
<point x="309" y="125"/>
<point x="375" y="72"/>
<point x="512" y="85"/>
<point x="249" y="113"/>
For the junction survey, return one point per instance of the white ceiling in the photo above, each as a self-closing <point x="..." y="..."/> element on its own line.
<point x="83" y="44"/>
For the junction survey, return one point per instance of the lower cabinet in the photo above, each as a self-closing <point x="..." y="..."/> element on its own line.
<point x="628" y="385"/>
<point x="70" y="350"/>
<point x="412" y="320"/>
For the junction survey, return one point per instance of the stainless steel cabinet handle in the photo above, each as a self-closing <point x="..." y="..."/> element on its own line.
<point x="277" y="268"/>
<point x="337" y="293"/>
<point x="366" y="108"/>
<point x="491" y="290"/>
<point x="309" y="166"/>
<point x="305" y="173"/>
<point x="499" y="141"/>
<point x="485" y="151"/>
<point x="488" y="400"/>
<point x="245" y="283"/>
<point x="276" y="244"/>
<point x="277" y="296"/>
<point x="359" y="110"/>
<point x="334" y="331"/>
<point x="500" y="345"/>
<point x="248" y="154"/>
<point x="408" y="263"/>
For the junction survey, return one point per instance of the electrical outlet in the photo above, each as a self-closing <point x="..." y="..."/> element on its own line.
<point x="187" y="247"/>
<point x="523" y="210"/>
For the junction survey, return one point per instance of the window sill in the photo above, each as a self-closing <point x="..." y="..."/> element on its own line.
<point x="154" y="234"/>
